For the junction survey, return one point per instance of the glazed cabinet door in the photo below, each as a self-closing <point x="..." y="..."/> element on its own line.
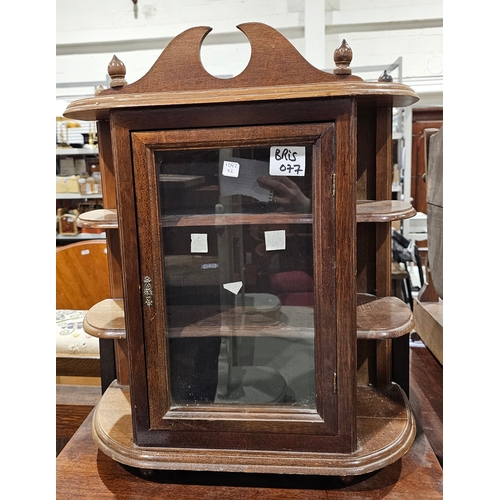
<point x="242" y="244"/>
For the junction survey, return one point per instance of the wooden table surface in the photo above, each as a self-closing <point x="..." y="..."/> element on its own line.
<point x="84" y="472"/>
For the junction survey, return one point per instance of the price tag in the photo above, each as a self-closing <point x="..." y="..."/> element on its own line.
<point x="287" y="160"/>
<point x="230" y="169"/>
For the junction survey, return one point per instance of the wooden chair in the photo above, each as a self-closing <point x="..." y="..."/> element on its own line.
<point x="82" y="277"/>
<point x="82" y="280"/>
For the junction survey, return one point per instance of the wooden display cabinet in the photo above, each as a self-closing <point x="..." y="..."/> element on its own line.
<point x="248" y="225"/>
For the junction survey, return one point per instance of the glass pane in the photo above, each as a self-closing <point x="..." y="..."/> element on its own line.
<point x="239" y="294"/>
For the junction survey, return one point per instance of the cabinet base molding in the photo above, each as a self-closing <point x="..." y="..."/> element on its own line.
<point x="386" y="429"/>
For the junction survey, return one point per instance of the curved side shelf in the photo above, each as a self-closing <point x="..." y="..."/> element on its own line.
<point x="383" y="210"/>
<point x="104" y="218"/>
<point x="383" y="318"/>
<point x="106" y="320"/>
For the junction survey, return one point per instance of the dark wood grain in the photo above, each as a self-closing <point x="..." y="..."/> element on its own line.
<point x="383" y="181"/>
<point x="128" y="271"/>
<point x="370" y="369"/>
<point x="73" y="405"/>
<point x="338" y="278"/>
<point x="426" y="396"/>
<point x="74" y="366"/>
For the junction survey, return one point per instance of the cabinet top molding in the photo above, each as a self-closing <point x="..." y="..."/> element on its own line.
<point x="276" y="71"/>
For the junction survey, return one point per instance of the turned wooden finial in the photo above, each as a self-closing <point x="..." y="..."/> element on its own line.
<point x="117" y="70"/>
<point x="385" y="77"/>
<point x="342" y="58"/>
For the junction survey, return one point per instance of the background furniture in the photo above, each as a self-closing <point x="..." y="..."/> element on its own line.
<point x="82" y="278"/>
<point x="428" y="306"/>
<point x="73" y="200"/>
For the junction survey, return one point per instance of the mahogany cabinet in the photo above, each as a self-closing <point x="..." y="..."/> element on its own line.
<point x="248" y="227"/>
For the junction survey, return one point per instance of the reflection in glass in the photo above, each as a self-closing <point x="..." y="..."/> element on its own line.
<point x="237" y="246"/>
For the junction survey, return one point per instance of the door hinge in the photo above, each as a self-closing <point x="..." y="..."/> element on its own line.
<point x="333" y="185"/>
<point x="334" y="382"/>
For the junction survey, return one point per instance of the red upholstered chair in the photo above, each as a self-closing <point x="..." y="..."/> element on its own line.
<point x="294" y="288"/>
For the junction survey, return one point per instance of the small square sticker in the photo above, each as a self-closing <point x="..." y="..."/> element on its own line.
<point x="231" y="169"/>
<point x="199" y="243"/>
<point x="275" y="240"/>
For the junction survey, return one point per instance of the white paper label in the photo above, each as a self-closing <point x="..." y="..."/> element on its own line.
<point x="275" y="240"/>
<point x="246" y="181"/>
<point x="287" y="160"/>
<point x="199" y="243"/>
<point x="233" y="287"/>
<point x="231" y="169"/>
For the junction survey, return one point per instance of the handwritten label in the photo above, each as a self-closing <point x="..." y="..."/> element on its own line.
<point x="199" y="243"/>
<point x="287" y="160"/>
<point x="246" y="182"/>
<point x="231" y="169"/>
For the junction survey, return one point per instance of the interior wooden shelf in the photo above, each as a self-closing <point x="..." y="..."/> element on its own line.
<point x="377" y="319"/>
<point x="235" y="219"/>
<point x="366" y="211"/>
